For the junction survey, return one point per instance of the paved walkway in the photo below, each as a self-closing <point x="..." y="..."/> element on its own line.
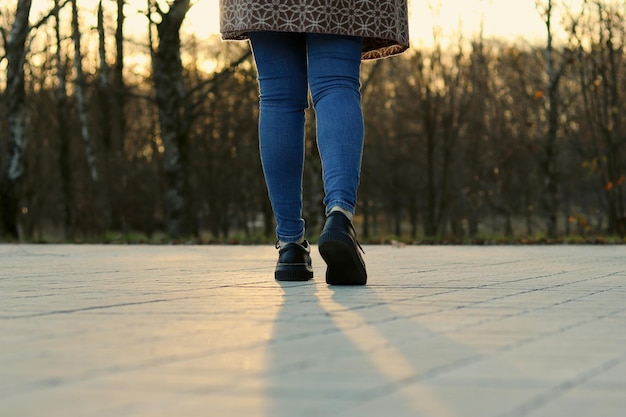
<point x="205" y="331"/>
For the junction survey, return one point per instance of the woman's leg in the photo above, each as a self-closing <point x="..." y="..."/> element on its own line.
<point x="281" y="65"/>
<point x="334" y="80"/>
<point x="334" y="64"/>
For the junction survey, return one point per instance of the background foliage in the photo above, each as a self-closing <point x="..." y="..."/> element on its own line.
<point x="480" y="140"/>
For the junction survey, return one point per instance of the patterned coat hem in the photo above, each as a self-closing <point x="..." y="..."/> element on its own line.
<point x="373" y="47"/>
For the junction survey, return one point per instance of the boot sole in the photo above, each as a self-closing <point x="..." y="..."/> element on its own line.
<point x="293" y="273"/>
<point x="344" y="265"/>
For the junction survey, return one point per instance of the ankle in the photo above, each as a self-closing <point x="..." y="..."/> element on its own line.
<point x="281" y="244"/>
<point x="342" y="210"/>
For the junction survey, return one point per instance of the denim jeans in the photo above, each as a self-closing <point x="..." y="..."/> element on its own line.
<point x="288" y="65"/>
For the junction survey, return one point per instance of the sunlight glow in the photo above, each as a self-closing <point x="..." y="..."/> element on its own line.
<point x="498" y="18"/>
<point x="387" y="360"/>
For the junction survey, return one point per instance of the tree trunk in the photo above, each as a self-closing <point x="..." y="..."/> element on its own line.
<point x="106" y="105"/>
<point x="550" y="168"/>
<point x="119" y="88"/>
<point x="17" y="136"/>
<point x="104" y="84"/>
<point x="81" y="100"/>
<point x="112" y="124"/>
<point x="173" y="118"/>
<point x="65" y="165"/>
<point x="430" y="225"/>
<point x="551" y="192"/>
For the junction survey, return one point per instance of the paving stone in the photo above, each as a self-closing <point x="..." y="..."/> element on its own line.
<point x="439" y="331"/>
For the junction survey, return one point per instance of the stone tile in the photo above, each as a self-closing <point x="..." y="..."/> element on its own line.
<point x="101" y="330"/>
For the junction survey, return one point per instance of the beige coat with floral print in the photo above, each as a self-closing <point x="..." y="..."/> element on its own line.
<point x="382" y="23"/>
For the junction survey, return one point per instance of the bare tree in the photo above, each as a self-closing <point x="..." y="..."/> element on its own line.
<point x="80" y="93"/>
<point x="119" y="89"/>
<point x="442" y="104"/>
<point x="104" y="82"/>
<point x="600" y="43"/>
<point x="549" y="162"/>
<point x="170" y="96"/>
<point x="111" y="81"/>
<point x="13" y="170"/>
<point x="65" y="166"/>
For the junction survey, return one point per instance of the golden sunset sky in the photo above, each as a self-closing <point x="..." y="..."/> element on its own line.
<point x="511" y="19"/>
<point x="502" y="18"/>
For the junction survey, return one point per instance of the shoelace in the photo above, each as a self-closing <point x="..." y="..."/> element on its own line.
<point x="355" y="239"/>
<point x="359" y="245"/>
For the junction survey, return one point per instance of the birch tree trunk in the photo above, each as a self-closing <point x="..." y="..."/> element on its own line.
<point x="81" y="100"/>
<point x="173" y="118"/>
<point x="17" y="135"/>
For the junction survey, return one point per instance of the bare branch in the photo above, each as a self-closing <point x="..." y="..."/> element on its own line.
<point x="47" y="16"/>
<point x="218" y="76"/>
<point x="207" y="86"/>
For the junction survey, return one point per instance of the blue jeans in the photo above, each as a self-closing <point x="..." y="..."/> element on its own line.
<point x="288" y="65"/>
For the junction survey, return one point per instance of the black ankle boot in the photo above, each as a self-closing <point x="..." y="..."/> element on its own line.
<point x="294" y="262"/>
<point x="340" y="249"/>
